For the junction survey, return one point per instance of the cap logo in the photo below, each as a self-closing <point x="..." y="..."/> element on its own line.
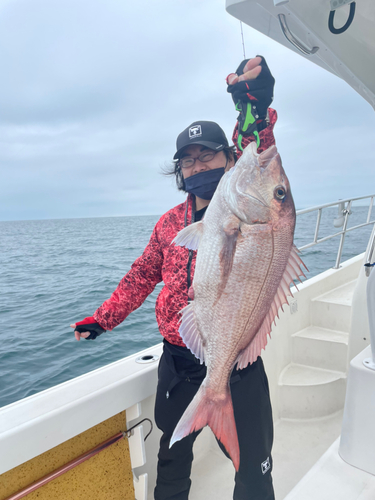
<point x="195" y="131"/>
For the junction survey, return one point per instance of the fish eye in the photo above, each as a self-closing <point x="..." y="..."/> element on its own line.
<point x="279" y="192"/>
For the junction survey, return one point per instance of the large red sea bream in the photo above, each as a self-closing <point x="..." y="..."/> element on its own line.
<point x="245" y="264"/>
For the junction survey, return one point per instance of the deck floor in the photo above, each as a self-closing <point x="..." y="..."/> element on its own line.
<point x="297" y="446"/>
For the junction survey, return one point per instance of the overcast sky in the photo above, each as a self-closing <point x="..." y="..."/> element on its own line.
<point x="93" y="94"/>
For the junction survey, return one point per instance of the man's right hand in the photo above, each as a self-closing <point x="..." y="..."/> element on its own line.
<point x="87" y="329"/>
<point x="254" y="83"/>
<point x="249" y="69"/>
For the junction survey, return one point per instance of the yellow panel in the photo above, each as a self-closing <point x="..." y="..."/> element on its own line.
<point x="106" y="476"/>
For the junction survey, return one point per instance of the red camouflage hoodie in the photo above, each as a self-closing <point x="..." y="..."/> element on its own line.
<point x="162" y="261"/>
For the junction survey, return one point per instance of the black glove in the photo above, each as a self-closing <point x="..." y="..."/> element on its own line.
<point x="89" y="325"/>
<point x="258" y="91"/>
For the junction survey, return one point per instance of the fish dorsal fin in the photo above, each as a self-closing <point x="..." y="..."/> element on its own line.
<point x="190" y="333"/>
<point x="259" y="342"/>
<point x="190" y="236"/>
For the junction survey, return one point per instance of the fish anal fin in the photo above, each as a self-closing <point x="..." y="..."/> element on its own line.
<point x="190" y="334"/>
<point x="190" y="236"/>
<point x="259" y="342"/>
<point x="208" y="408"/>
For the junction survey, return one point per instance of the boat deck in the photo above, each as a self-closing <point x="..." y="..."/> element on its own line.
<point x="332" y="478"/>
<point x="307" y="465"/>
<point x="298" y="445"/>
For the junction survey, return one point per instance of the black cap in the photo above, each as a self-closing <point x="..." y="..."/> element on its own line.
<point x="207" y="134"/>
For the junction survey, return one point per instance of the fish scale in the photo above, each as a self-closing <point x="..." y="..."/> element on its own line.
<point x="245" y="264"/>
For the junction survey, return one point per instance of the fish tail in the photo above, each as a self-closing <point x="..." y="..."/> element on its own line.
<point x="207" y="409"/>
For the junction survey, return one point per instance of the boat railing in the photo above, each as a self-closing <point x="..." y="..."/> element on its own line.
<point x="341" y="220"/>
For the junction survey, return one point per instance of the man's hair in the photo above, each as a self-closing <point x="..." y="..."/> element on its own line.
<point x="175" y="169"/>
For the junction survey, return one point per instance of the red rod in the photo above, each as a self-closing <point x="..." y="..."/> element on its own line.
<point x="65" y="468"/>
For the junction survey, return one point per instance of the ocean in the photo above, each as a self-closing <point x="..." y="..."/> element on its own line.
<point x="56" y="272"/>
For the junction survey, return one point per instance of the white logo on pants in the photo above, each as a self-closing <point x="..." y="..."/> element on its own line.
<point x="265" y="465"/>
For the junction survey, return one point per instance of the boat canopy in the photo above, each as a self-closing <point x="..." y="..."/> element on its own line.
<point x="338" y="35"/>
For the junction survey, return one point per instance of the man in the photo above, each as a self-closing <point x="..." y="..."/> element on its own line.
<point x="203" y="156"/>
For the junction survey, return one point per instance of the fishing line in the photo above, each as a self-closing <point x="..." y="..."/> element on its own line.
<point x="243" y="43"/>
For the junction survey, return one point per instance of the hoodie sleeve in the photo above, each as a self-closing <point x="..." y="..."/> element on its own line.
<point x="266" y="136"/>
<point x="135" y="286"/>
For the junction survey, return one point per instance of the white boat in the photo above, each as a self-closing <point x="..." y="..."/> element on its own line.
<point x="338" y="35"/>
<point x="319" y="355"/>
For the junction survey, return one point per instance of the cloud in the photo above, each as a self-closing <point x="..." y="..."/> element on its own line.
<point x="93" y="95"/>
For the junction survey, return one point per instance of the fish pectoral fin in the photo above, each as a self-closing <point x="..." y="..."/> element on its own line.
<point x="190" y="236"/>
<point x="190" y="334"/>
<point x="231" y="231"/>
<point x="259" y="342"/>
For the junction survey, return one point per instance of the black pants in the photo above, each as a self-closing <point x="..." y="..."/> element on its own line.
<point x="179" y="379"/>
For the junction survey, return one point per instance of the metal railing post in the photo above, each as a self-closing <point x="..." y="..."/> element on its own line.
<point x="317" y="225"/>
<point x="370" y="292"/>
<point x="347" y="213"/>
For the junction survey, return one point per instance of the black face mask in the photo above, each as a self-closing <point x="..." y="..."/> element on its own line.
<point x="205" y="183"/>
